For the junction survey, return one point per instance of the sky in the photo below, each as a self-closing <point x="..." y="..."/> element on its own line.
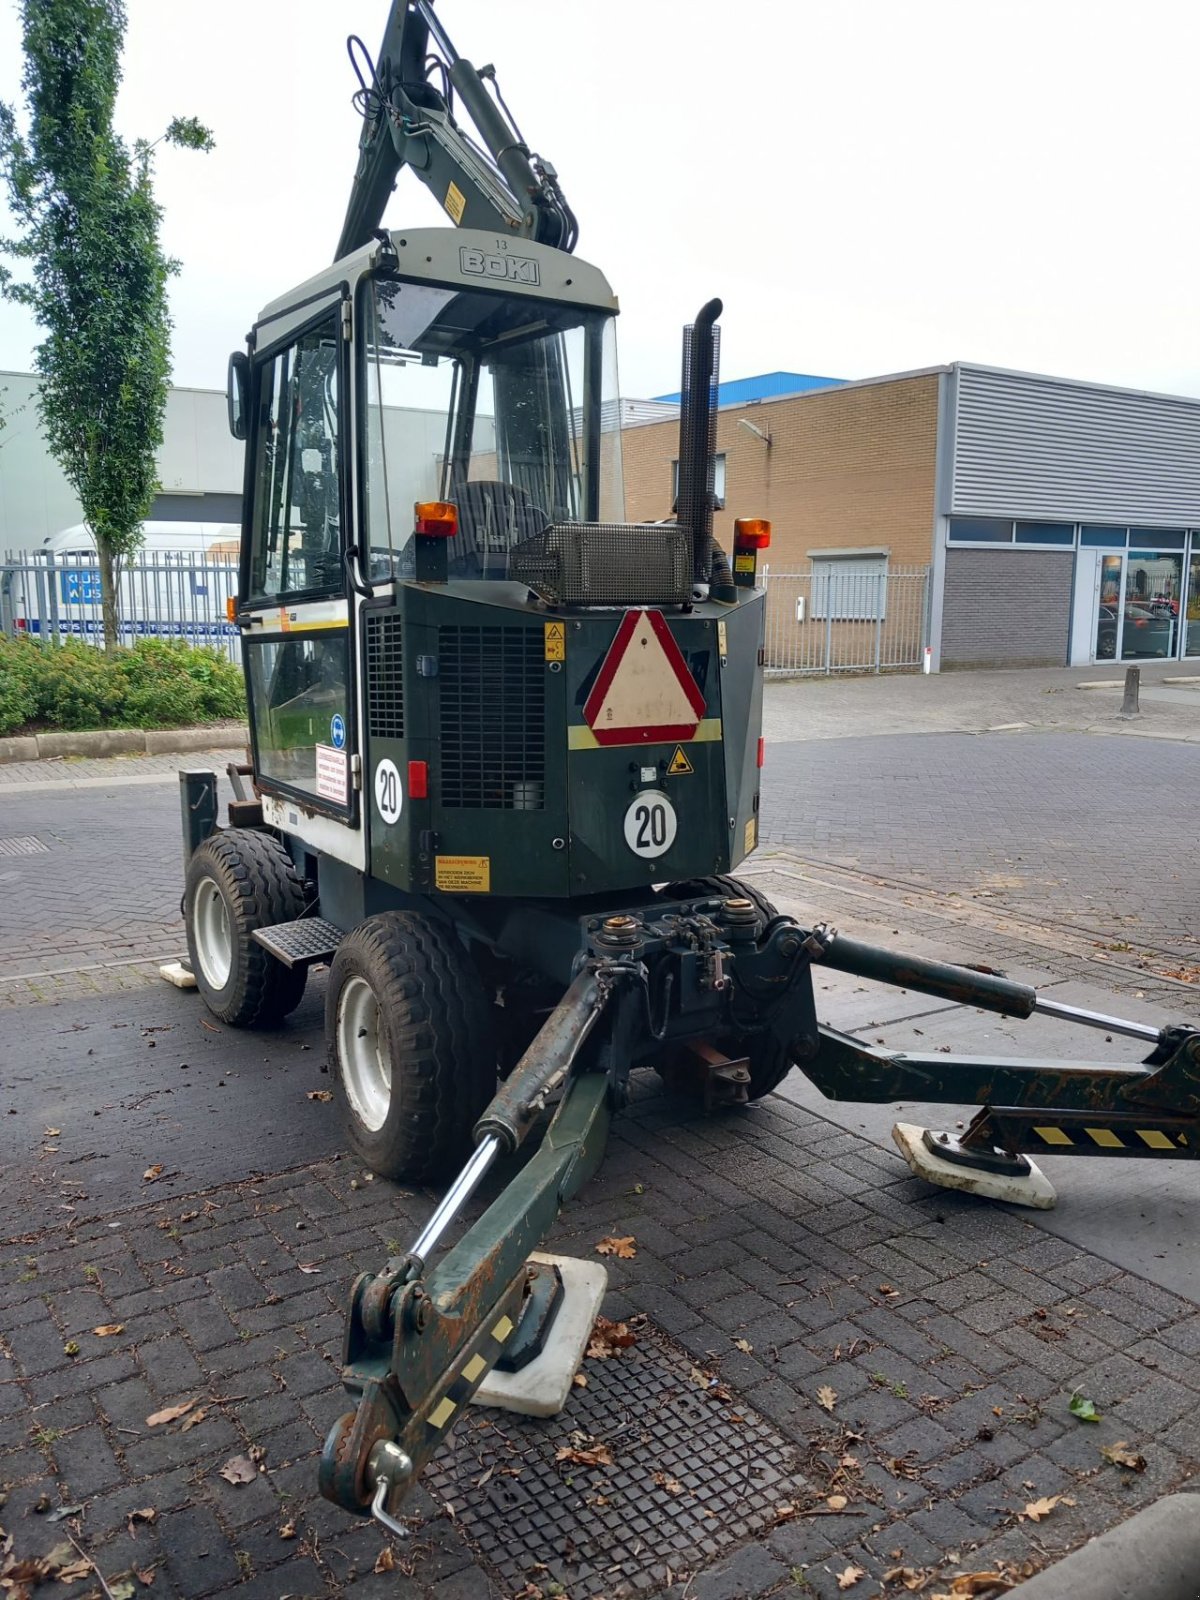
<point x="870" y="186"/>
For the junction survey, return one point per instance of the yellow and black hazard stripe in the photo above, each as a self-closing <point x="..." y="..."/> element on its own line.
<point x="1106" y="1134"/>
<point x="434" y="1420"/>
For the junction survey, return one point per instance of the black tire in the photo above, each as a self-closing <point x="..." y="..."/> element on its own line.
<point x="432" y="1043"/>
<point x="768" y="1068"/>
<point x="259" y="886"/>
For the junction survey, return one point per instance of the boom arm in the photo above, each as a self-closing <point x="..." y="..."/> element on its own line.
<point x="409" y="121"/>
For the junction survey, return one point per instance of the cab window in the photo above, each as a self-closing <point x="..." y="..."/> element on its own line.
<point x="296" y="535"/>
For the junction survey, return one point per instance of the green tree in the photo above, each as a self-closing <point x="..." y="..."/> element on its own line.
<point x="91" y="269"/>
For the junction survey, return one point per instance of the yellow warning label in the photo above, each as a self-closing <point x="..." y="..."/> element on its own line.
<point x="556" y="641"/>
<point x="751" y="834"/>
<point x="722" y="639"/>
<point x="463" y="874"/>
<point x="456" y="202"/>
<point x="679" y="765"/>
<point x="744" y="563"/>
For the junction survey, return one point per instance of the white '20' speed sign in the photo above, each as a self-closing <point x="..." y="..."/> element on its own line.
<point x="650" y="824"/>
<point x="389" y="796"/>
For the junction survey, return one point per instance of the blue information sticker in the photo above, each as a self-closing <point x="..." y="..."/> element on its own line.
<point x="337" y="732"/>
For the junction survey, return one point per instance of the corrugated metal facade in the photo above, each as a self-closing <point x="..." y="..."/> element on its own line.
<point x="1028" y="446"/>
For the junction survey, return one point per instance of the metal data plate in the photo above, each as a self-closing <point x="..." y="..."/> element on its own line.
<point x="687" y="1482"/>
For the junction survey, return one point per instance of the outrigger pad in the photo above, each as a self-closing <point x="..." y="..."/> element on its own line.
<point x="1029" y="1189"/>
<point x="541" y="1388"/>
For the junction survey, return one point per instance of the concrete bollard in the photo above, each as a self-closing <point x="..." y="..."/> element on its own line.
<point x="1129" y="706"/>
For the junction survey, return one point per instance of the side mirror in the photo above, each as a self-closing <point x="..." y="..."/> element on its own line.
<point x="237" y="393"/>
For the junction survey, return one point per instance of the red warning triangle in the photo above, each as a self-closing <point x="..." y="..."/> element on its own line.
<point x="644" y="693"/>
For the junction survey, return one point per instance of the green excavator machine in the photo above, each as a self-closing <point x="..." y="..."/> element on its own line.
<point x="505" y="755"/>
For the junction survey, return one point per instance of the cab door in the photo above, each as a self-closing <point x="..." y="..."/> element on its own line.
<point x="295" y="610"/>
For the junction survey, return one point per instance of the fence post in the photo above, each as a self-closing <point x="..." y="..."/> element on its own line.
<point x="54" y="618"/>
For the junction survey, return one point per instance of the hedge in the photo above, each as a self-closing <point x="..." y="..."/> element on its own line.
<point x="152" y="684"/>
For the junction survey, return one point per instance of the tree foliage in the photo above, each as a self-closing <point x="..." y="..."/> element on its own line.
<point x="90" y="267"/>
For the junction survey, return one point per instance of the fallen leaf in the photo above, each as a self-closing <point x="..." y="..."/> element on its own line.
<point x="256" y="1452"/>
<point x="826" y="1397"/>
<point x="579" y="1380"/>
<point x="308" y="1266"/>
<point x="593" y="1455"/>
<point x="745" y="1346"/>
<point x="153" y="1173"/>
<point x="1122" y="1456"/>
<point x="1083" y="1408"/>
<point x="671" y="1485"/>
<point x="145" y="1575"/>
<point x="385" y="1561"/>
<point x="51" y="1133"/>
<point x="886" y="1288"/>
<point x="196" y="1416"/>
<point x="978" y="1583"/>
<point x="119" y="1589"/>
<point x="624" y="1249"/>
<point x="73" y="1571"/>
<point x="609" y="1338"/>
<point x="239" y="1469"/>
<point x="63" y="1555"/>
<point x="322" y="1095"/>
<point x="836" y="1502"/>
<point x="849" y="1576"/>
<point x="108" y="1330"/>
<point x="61" y="1513"/>
<point x="288" y="1531"/>
<point x="1037" y="1509"/>
<point x="145" y="1514"/>
<point x="169" y="1414"/>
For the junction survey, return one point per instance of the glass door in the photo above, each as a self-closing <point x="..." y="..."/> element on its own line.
<point x="1191" y="626"/>
<point x="1108" y="607"/>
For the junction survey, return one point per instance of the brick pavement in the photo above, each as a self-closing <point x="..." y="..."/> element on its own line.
<point x="952" y="1334"/>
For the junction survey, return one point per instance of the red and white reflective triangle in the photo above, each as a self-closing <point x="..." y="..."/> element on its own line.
<point x="644" y="693"/>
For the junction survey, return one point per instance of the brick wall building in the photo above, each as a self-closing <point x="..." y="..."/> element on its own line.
<point x="1059" y="521"/>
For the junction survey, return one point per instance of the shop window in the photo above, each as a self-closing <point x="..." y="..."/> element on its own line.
<point x="1062" y="533"/>
<point x="981" y="530"/>
<point x="1156" y="538"/>
<point x="849" y="589"/>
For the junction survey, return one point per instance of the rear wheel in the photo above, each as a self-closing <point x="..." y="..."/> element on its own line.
<point x="769" y="1065"/>
<point x="237" y="881"/>
<point x="410" y="1047"/>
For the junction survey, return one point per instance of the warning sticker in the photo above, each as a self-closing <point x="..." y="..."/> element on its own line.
<point x="456" y="202"/>
<point x="556" y="641"/>
<point x="751" y="834"/>
<point x="332" y="783"/>
<point x="679" y="765"/>
<point x="722" y="638"/>
<point x="463" y="874"/>
<point x="745" y="563"/>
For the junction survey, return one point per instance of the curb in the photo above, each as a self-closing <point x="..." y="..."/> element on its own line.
<point x="121" y="742"/>
<point x="1155" y="1555"/>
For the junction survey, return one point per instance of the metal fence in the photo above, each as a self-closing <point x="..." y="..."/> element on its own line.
<point x="844" y="617"/>
<point x="163" y="595"/>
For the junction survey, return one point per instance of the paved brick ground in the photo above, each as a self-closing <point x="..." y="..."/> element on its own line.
<point x="953" y="1336"/>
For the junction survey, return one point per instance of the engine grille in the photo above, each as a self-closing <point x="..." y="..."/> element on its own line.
<point x="606" y="564"/>
<point x="493" y="717"/>
<point x="385" y="675"/>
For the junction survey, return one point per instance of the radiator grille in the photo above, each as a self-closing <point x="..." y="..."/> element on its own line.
<point x="385" y="676"/>
<point x="493" y="704"/>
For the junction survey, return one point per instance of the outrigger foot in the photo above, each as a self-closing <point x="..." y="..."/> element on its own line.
<point x="942" y="1159"/>
<point x="540" y="1385"/>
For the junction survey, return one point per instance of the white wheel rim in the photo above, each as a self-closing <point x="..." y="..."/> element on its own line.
<point x="362" y="1059"/>
<point x="210" y="925"/>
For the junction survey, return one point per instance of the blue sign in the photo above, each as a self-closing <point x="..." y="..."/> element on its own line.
<point x="337" y="732"/>
<point x="80" y="586"/>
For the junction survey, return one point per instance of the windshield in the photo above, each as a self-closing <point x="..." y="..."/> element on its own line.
<point x="506" y="405"/>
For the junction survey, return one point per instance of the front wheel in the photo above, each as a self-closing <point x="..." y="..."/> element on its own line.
<point x="410" y="1046"/>
<point x="237" y="881"/>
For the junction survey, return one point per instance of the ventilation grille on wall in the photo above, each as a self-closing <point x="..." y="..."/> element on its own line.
<point x="385" y="676"/>
<point x="493" y="700"/>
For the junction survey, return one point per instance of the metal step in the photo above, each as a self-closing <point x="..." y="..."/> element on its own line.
<point x="305" y="943"/>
